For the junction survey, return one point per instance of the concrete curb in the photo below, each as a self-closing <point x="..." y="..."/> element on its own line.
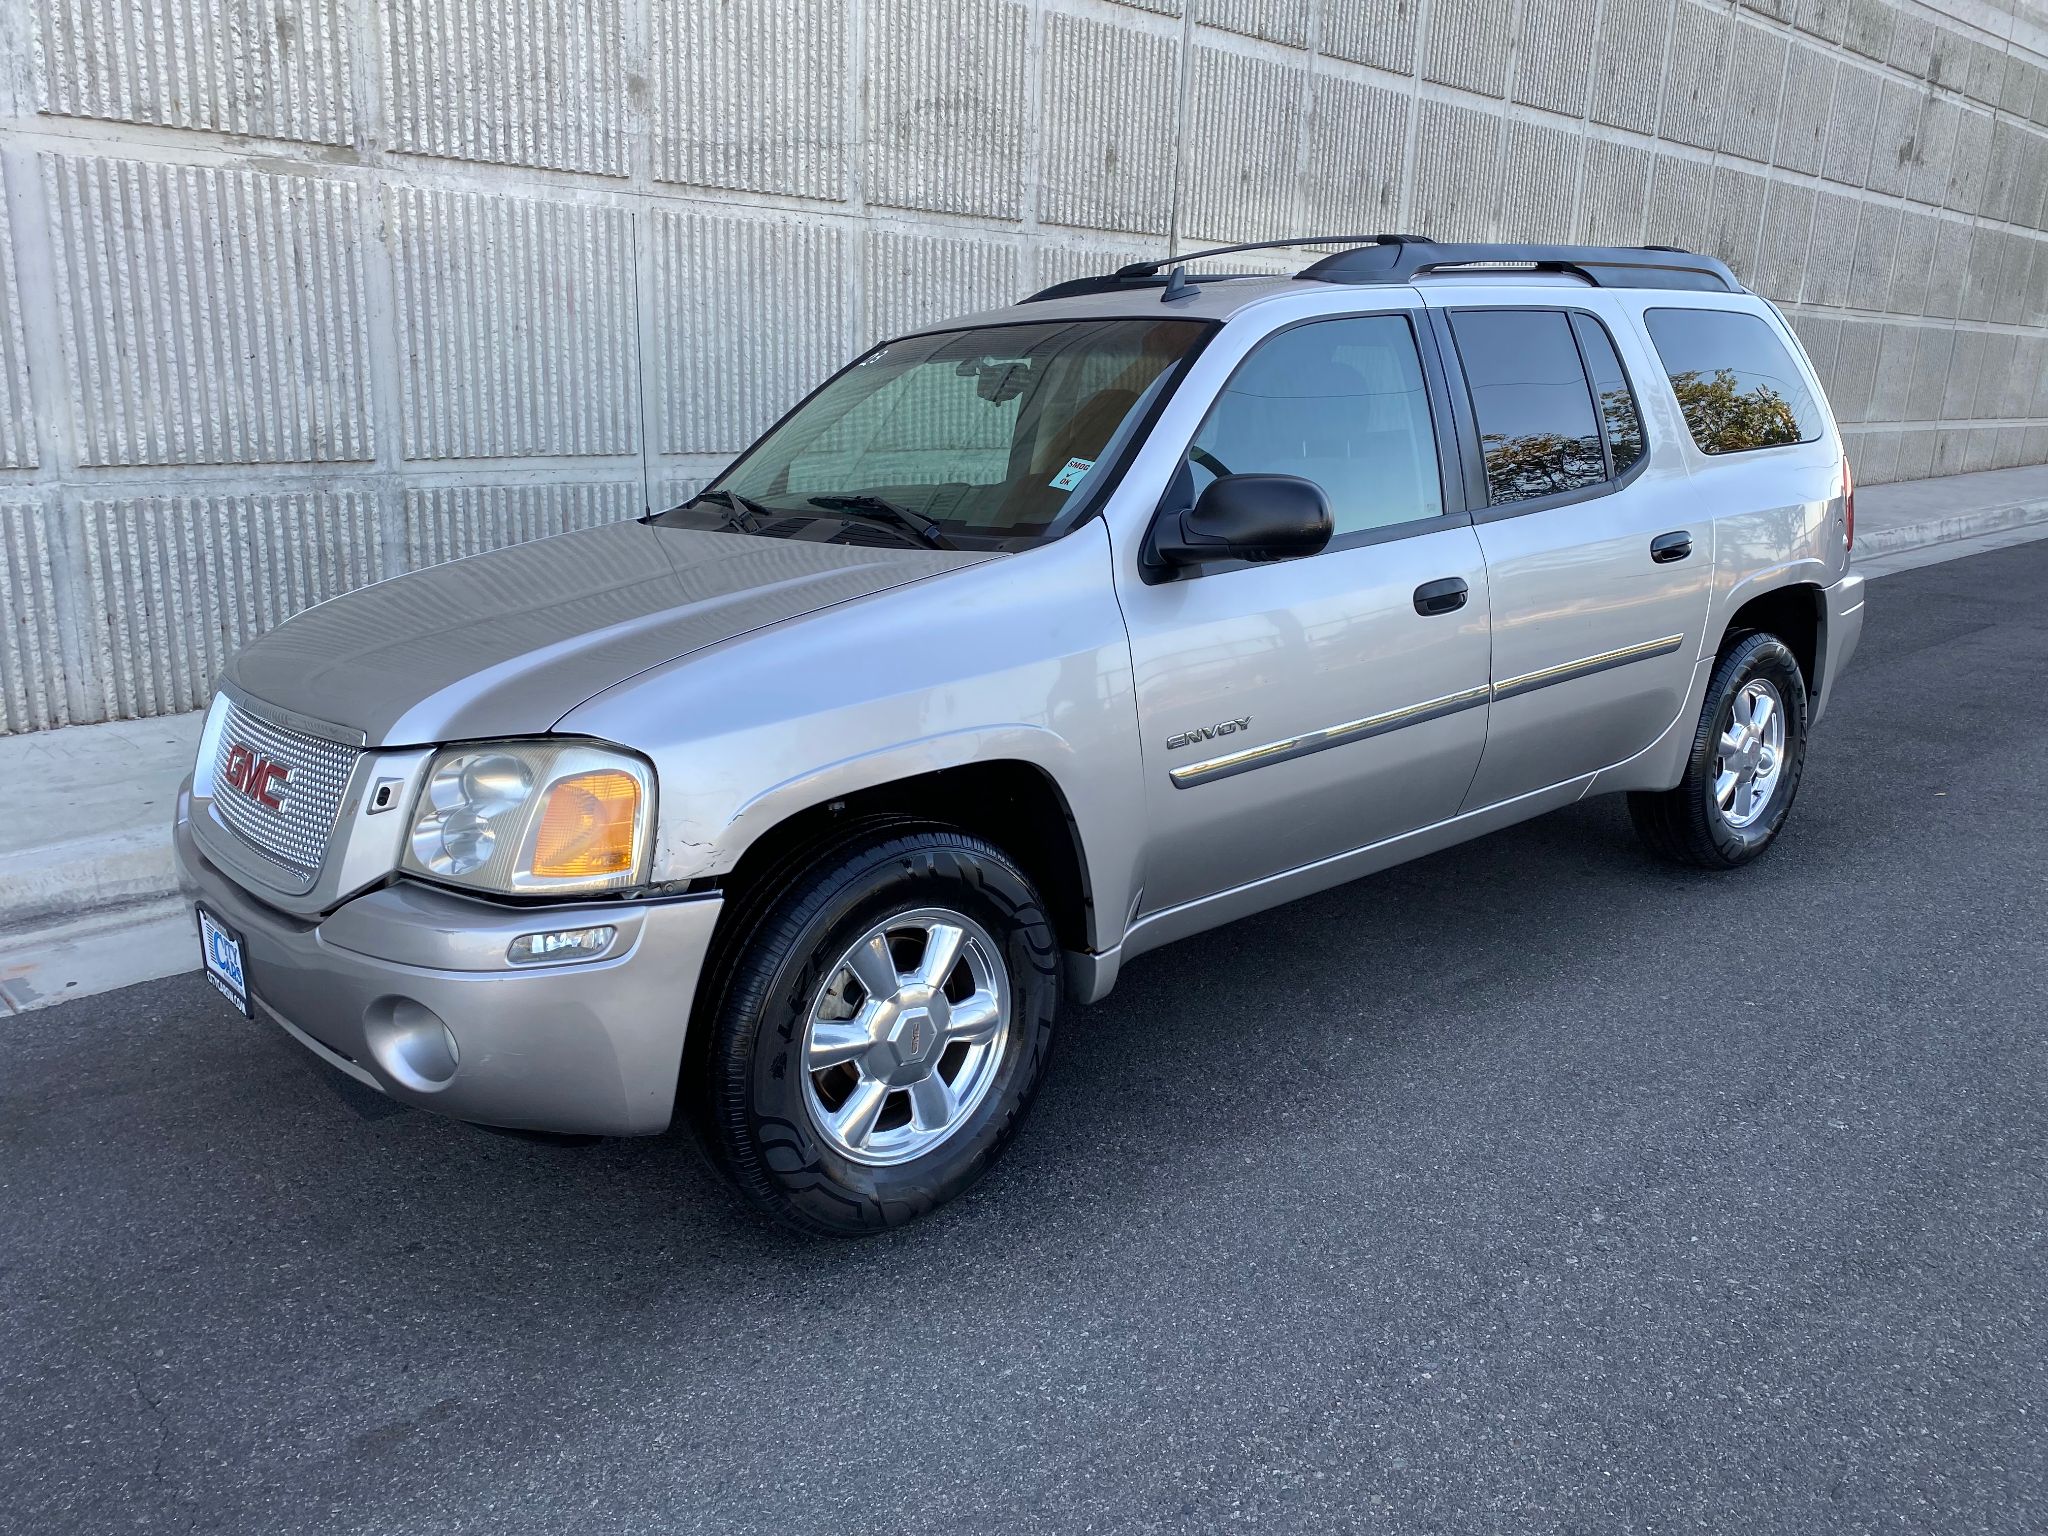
<point x="1949" y="529"/>
<point x="65" y="880"/>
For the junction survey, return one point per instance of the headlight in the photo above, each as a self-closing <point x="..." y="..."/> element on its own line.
<point x="533" y="818"/>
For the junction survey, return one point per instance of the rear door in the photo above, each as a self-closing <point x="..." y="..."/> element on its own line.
<point x="1297" y="710"/>
<point x="1598" y="562"/>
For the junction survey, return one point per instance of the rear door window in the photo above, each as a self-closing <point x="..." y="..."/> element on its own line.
<point x="1734" y="378"/>
<point x="1537" y="430"/>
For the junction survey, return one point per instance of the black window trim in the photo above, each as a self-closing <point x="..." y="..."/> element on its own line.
<point x="1794" y="354"/>
<point x="1450" y="457"/>
<point x="1478" y="494"/>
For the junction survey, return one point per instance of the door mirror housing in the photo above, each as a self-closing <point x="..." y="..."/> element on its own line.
<point x="1246" y="517"/>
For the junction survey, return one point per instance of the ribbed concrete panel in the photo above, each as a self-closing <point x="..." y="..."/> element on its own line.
<point x="751" y="314"/>
<point x="1376" y="32"/>
<point x="1802" y="134"/>
<point x="1929" y="175"/>
<point x="1879" y="153"/>
<point x="1539" y="178"/>
<point x="225" y="66"/>
<point x="1629" y="63"/>
<point x="1893" y="379"/>
<point x="1696" y="81"/>
<point x="1245" y="116"/>
<point x="1614" y="192"/>
<point x="17" y="424"/>
<point x="1679" y="195"/>
<point x="945" y="93"/>
<point x="537" y="83"/>
<point x="915" y="279"/>
<point x="1738" y="211"/>
<point x="1912" y="255"/>
<point x="515" y="322"/>
<point x="1457" y="153"/>
<point x="449" y="522"/>
<point x="1831" y="250"/>
<point x="1969" y="163"/>
<point x="1553" y="67"/>
<point x="178" y="583"/>
<point x="1870" y="271"/>
<point x="753" y="97"/>
<point x="1112" y="95"/>
<point x="1467" y="45"/>
<point x="211" y="316"/>
<point x="1850" y="125"/>
<point x="1279" y="21"/>
<point x="31" y="658"/>
<point x="1781" y="253"/>
<point x="1357" y="136"/>
<point x="1850" y="381"/>
<point x="1756" y="81"/>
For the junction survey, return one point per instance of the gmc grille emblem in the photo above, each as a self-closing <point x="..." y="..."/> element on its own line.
<point x="255" y="775"/>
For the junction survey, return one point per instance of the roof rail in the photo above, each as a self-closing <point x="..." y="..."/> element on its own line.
<point x="1145" y="274"/>
<point x="1403" y="258"/>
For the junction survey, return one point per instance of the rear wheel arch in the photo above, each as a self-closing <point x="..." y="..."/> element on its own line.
<point x="1796" y="614"/>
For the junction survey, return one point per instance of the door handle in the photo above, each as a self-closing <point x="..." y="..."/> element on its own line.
<point x="1667" y="547"/>
<point x="1445" y="596"/>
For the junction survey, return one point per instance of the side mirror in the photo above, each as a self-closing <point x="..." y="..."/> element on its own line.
<point x="1246" y="517"/>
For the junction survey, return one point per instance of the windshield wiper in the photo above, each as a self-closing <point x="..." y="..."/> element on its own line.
<point x="878" y="509"/>
<point x="739" y="510"/>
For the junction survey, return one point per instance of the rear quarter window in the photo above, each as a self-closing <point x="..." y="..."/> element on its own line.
<point x="1735" y="381"/>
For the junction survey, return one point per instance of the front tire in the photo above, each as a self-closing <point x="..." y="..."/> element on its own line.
<point x="882" y="1033"/>
<point x="1745" y="764"/>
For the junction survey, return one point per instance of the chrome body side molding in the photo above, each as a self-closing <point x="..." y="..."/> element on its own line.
<point x="1211" y="769"/>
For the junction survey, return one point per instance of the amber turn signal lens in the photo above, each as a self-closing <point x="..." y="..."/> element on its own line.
<point x="588" y="826"/>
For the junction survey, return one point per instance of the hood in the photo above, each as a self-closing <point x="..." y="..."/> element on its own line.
<point x="507" y="643"/>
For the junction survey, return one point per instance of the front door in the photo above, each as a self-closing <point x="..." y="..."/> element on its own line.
<point x="1298" y="710"/>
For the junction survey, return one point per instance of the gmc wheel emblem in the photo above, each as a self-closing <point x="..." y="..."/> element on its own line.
<point x="255" y="775"/>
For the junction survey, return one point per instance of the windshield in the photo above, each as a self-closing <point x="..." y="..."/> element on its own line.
<point x="967" y="439"/>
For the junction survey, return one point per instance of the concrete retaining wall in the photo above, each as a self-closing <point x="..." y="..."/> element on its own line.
<point x="297" y="296"/>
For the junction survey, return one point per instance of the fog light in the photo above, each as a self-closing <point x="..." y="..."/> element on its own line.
<point x="562" y="944"/>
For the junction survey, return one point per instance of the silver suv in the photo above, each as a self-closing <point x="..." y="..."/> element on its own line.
<point x="1026" y="644"/>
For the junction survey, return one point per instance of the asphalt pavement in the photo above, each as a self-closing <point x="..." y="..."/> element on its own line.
<point x="1535" y="1186"/>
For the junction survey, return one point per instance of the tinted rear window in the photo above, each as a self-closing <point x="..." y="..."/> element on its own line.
<point x="1537" y="431"/>
<point x="1734" y="379"/>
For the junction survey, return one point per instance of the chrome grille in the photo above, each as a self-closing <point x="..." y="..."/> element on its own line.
<point x="310" y="797"/>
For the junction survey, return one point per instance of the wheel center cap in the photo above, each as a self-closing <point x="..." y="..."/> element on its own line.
<point x="911" y="1036"/>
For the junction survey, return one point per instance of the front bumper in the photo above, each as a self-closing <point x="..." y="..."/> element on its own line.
<point x="589" y="1046"/>
<point x="1844" y="627"/>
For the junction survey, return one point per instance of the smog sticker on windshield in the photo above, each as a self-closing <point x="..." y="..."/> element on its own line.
<point x="1070" y="474"/>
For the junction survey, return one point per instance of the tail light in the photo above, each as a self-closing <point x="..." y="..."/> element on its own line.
<point x="1848" y="506"/>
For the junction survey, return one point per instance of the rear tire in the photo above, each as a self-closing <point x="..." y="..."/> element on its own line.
<point x="1744" y="767"/>
<point x="847" y="1106"/>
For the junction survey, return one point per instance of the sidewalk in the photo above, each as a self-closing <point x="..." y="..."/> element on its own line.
<point x="88" y="901"/>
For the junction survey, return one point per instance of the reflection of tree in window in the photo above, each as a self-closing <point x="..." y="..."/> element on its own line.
<point x="1624" y="427"/>
<point x="1734" y="378"/>
<point x="1537" y="431"/>
<point x="1726" y="418"/>
<point x="1540" y="464"/>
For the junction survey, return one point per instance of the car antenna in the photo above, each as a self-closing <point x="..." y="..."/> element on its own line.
<point x="1177" y="286"/>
